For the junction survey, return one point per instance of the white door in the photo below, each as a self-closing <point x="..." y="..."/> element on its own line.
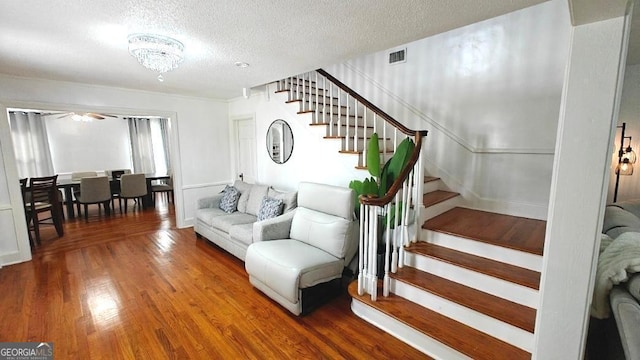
<point x="246" y="150"/>
<point x="14" y="239"/>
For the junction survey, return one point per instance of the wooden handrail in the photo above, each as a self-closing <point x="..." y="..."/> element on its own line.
<point x="418" y="134"/>
<point x="367" y="104"/>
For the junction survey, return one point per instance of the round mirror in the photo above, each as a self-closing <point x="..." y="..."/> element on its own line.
<point x="279" y="141"/>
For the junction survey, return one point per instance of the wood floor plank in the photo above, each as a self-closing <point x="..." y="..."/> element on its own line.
<point x="512" y="232"/>
<point x="135" y="287"/>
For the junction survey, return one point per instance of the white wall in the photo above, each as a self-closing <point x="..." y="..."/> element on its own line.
<point x="199" y="127"/>
<point x="313" y="158"/>
<point x="88" y="146"/>
<point x="629" y="187"/>
<point x="489" y="94"/>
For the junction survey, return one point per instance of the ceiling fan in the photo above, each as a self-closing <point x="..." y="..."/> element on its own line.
<point x="88" y="116"/>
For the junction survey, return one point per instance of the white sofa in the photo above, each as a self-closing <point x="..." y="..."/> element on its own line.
<point x="294" y="255"/>
<point x="234" y="231"/>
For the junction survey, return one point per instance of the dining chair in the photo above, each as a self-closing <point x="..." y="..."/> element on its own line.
<point x="43" y="196"/>
<point x="26" y="200"/>
<point x="132" y="186"/>
<point x="94" y="190"/>
<point x="115" y="175"/>
<point x="163" y="187"/>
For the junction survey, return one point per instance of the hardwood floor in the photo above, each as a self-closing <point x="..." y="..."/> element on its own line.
<point x="135" y="287"/>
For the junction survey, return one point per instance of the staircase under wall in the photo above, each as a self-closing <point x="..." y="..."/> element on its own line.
<point x="469" y="287"/>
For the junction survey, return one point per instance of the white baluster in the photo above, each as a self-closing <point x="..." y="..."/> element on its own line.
<point x="364" y="135"/>
<point x="324" y="102"/>
<point x="339" y="112"/>
<point x="395" y="262"/>
<point x="355" y="132"/>
<point x="361" y="251"/>
<point x="331" y="109"/>
<point x="317" y="100"/>
<point x="373" y="246"/>
<point x="387" y="240"/>
<point x="419" y="193"/>
<point x="346" y="138"/>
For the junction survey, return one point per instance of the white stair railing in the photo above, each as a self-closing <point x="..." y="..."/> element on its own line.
<point x="351" y="117"/>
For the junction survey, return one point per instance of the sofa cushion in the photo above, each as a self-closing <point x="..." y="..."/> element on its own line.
<point x="286" y="265"/>
<point x="225" y="222"/>
<point x="616" y="218"/>
<point x="256" y="194"/>
<point x="242" y="233"/>
<point x="207" y="214"/>
<point x="633" y="285"/>
<point x="289" y="199"/>
<point x="324" y="231"/>
<point x="229" y="201"/>
<point x="244" y="189"/>
<point x="632" y="206"/>
<point x="269" y="208"/>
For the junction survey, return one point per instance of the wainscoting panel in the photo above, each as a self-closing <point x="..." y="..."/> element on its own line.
<point x="191" y="194"/>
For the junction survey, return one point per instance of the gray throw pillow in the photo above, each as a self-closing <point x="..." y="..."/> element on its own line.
<point x="269" y="208"/>
<point x="244" y="189"/>
<point x="256" y="194"/>
<point x="289" y="199"/>
<point x="229" y="201"/>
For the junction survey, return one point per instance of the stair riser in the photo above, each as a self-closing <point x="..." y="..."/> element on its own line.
<point x="293" y="95"/>
<point x="352" y="121"/>
<point x="494" y="327"/>
<point x="360" y="132"/>
<point x="361" y="144"/>
<point x="405" y="333"/>
<point x="478" y="248"/>
<point x="439" y="208"/>
<point x="384" y="157"/>
<point x="488" y="284"/>
<point x="432" y="186"/>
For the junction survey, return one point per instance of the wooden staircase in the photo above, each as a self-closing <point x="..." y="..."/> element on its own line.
<point x="469" y="287"/>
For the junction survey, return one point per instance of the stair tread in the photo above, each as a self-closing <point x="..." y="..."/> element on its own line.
<point x="342" y="125"/>
<point x="507" y="311"/>
<point x="430" y="179"/>
<point x="436" y="197"/>
<point x="351" y="116"/>
<point x="511" y="273"/>
<point x="512" y="232"/>
<point x="453" y="334"/>
<point x="359" y="152"/>
<point x="351" y="137"/>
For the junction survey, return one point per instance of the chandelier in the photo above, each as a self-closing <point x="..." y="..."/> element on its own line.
<point x="156" y="52"/>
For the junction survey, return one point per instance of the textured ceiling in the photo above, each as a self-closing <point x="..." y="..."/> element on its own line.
<point x="85" y="40"/>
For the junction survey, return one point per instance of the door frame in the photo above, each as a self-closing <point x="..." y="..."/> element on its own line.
<point x="233" y="135"/>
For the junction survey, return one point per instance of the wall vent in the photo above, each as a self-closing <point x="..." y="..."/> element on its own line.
<point x="398" y="56"/>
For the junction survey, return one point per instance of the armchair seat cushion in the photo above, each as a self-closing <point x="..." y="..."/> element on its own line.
<point x="288" y="265"/>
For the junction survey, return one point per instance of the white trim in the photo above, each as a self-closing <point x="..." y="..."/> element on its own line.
<point x="7" y="207"/>
<point x="405" y="333"/>
<point x="205" y="185"/>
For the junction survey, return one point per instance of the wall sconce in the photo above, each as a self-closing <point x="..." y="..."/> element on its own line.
<point x="626" y="159"/>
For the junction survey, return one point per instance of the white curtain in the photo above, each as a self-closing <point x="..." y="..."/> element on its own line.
<point x="141" y="145"/>
<point x="30" y="143"/>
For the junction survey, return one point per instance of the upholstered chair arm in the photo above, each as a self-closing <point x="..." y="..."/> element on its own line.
<point x="210" y="201"/>
<point x="275" y="228"/>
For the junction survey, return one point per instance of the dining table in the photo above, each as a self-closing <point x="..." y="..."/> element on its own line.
<point x="67" y="185"/>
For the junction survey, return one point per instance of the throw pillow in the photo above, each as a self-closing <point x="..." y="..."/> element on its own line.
<point x="289" y="199"/>
<point x="229" y="201"/>
<point x="256" y="194"/>
<point x="244" y="189"/>
<point x="269" y="208"/>
<point x="633" y="285"/>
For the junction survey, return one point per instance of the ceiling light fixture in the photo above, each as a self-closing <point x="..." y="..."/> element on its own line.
<point x="156" y="52"/>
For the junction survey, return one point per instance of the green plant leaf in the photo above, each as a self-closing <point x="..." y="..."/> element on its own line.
<point x="385" y="184"/>
<point x="400" y="158"/>
<point x="370" y="186"/>
<point x="373" y="156"/>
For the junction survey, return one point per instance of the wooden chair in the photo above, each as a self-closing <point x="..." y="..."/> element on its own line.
<point x="43" y="197"/>
<point x="166" y="187"/>
<point x="94" y="190"/>
<point x="132" y="186"/>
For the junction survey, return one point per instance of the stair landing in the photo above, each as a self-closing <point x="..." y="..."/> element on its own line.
<point x="507" y="231"/>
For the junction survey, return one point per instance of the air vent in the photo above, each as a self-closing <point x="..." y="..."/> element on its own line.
<point x="398" y="56"/>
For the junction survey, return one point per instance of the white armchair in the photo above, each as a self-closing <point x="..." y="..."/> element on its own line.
<point x="296" y="254"/>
